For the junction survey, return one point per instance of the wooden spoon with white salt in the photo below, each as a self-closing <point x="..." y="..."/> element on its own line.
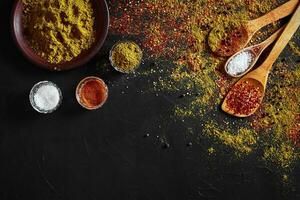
<point x="243" y="61"/>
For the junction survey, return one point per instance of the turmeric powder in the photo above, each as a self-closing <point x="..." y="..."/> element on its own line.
<point x="126" y="56"/>
<point x="59" y="30"/>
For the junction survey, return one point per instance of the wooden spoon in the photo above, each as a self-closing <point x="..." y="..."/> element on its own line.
<point x="255" y="51"/>
<point x="236" y="38"/>
<point x="258" y="78"/>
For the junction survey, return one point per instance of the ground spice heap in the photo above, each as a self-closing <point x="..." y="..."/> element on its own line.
<point x="59" y="30"/>
<point x="126" y="56"/>
<point x="244" y="97"/>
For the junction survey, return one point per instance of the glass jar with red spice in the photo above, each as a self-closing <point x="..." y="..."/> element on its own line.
<point x="91" y="93"/>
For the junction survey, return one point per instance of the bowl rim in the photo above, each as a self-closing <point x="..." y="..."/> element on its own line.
<point x="92" y="51"/>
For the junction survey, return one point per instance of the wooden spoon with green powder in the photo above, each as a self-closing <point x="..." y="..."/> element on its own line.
<point x="232" y="37"/>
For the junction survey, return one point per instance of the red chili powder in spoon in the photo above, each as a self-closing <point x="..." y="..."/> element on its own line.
<point x="243" y="98"/>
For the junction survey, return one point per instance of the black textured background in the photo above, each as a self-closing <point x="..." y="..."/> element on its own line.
<point x="79" y="155"/>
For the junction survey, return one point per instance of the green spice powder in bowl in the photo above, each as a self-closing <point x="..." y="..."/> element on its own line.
<point x="125" y="56"/>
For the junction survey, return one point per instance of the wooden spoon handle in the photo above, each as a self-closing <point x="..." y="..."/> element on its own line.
<point x="272" y="16"/>
<point x="283" y="40"/>
<point x="272" y="38"/>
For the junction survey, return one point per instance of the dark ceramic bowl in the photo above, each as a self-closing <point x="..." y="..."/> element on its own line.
<point x="101" y="28"/>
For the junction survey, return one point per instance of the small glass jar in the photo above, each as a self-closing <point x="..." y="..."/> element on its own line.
<point x="85" y="93"/>
<point x="34" y="91"/>
<point x="114" y="65"/>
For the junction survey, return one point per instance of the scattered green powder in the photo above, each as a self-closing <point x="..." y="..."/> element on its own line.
<point x="282" y="154"/>
<point x="242" y="141"/>
<point x="295" y="48"/>
<point x="262" y="6"/>
<point x="285" y="178"/>
<point x="211" y="150"/>
<point x="279" y="116"/>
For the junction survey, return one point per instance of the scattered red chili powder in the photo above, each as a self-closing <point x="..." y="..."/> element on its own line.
<point x="233" y="43"/>
<point x="92" y="93"/>
<point x="156" y="41"/>
<point x="295" y="132"/>
<point x="161" y="26"/>
<point x="243" y="98"/>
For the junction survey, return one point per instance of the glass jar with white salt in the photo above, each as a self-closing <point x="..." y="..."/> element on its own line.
<point x="45" y="97"/>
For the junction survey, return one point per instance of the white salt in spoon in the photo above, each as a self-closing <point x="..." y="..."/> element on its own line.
<point x="243" y="61"/>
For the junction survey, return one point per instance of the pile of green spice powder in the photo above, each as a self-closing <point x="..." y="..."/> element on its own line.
<point x="174" y="34"/>
<point x="126" y="56"/>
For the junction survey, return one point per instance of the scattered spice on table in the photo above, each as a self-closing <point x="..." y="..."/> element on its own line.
<point x="243" y="140"/>
<point x="175" y="34"/>
<point x="282" y="154"/>
<point x="240" y="63"/>
<point x="295" y="48"/>
<point x="59" y="30"/>
<point x="295" y="131"/>
<point x="244" y="97"/>
<point x="126" y="56"/>
<point x="92" y="93"/>
<point x="279" y="117"/>
<point x="211" y="151"/>
<point x="227" y="38"/>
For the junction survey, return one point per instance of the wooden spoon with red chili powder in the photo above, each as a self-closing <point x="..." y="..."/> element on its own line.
<point x="232" y="39"/>
<point x="247" y="94"/>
